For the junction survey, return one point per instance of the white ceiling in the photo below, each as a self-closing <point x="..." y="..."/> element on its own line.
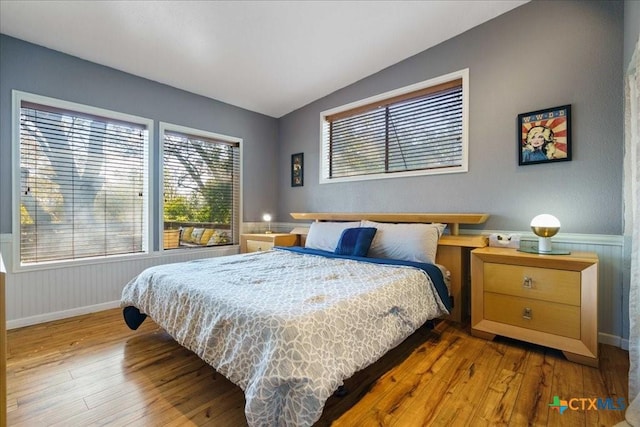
<point x="271" y="57"/>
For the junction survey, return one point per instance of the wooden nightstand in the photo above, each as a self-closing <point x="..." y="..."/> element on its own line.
<point x="550" y="300"/>
<point x="264" y="242"/>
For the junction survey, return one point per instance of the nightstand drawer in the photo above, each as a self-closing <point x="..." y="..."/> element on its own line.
<point x="258" y="246"/>
<point x="561" y="286"/>
<point x="549" y="317"/>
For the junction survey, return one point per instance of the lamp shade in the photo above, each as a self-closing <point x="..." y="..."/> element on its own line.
<point x="545" y="226"/>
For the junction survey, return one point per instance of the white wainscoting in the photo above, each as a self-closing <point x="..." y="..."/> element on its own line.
<point x="43" y="295"/>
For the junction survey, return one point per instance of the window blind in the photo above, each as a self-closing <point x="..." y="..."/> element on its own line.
<point x="418" y="131"/>
<point x="201" y="187"/>
<point x="83" y="185"/>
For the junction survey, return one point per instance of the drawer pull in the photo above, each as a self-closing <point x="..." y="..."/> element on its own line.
<point x="526" y="313"/>
<point x="527" y="282"/>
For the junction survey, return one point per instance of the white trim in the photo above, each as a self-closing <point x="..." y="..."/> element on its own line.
<point x="405" y="174"/>
<point x="291" y="225"/>
<point x="151" y="185"/>
<point x="64" y="314"/>
<point x="214" y="251"/>
<point x="464" y="167"/>
<point x="614" y="340"/>
<point x="252" y="227"/>
<point x="17" y="97"/>
<point x="575" y="238"/>
<point x="591" y="239"/>
<point x="165" y="126"/>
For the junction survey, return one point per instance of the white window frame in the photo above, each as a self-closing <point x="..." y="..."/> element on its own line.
<point x="17" y="98"/>
<point x="324" y="131"/>
<point x="164" y="127"/>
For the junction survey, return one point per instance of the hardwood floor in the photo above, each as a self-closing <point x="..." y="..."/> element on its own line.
<point x="93" y="370"/>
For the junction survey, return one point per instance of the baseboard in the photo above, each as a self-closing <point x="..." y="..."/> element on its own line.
<point x="613" y="340"/>
<point x="48" y="317"/>
<point x="624" y="344"/>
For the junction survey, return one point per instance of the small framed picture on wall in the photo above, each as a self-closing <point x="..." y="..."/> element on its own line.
<point x="297" y="170"/>
<point x="544" y="136"/>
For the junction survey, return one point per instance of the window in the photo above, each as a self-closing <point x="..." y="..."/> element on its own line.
<point x="201" y="188"/>
<point x="83" y="181"/>
<point x="417" y="130"/>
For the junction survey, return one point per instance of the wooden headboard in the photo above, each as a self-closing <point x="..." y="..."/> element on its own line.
<point x="453" y="249"/>
<point x="453" y="220"/>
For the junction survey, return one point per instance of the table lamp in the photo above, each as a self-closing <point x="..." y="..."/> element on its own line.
<point x="545" y="226"/>
<point x="267" y="217"/>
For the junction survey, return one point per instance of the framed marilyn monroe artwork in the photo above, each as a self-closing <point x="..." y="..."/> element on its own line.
<point x="544" y="136"/>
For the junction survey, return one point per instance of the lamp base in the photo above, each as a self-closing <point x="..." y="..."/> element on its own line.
<point x="544" y="244"/>
<point x="534" y="250"/>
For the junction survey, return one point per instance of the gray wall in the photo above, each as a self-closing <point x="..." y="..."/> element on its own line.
<point x="542" y="54"/>
<point x="34" y="69"/>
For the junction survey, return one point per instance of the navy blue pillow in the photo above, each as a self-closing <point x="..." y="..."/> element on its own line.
<point x="355" y="241"/>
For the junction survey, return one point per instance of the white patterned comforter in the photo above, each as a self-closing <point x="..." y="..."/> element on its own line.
<point x="287" y="328"/>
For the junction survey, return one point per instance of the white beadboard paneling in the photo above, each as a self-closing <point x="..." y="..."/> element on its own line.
<point x="47" y="317"/>
<point x="42" y="295"/>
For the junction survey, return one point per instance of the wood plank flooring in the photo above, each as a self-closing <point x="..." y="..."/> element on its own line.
<point x="93" y="370"/>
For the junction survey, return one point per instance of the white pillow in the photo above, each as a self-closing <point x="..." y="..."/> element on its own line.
<point x="325" y="235"/>
<point x="409" y="242"/>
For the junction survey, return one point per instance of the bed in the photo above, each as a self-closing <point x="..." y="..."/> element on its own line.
<point x="290" y="324"/>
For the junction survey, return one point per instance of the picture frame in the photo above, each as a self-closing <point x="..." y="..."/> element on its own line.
<point x="544" y="136"/>
<point x="297" y="170"/>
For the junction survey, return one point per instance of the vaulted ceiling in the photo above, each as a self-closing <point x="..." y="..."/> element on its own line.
<point x="270" y="57"/>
